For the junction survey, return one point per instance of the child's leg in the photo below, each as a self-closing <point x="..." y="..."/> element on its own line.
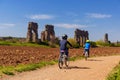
<point x="84" y="52"/>
<point x="88" y="53"/>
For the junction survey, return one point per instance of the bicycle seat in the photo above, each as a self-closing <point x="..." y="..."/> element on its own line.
<point x="62" y="50"/>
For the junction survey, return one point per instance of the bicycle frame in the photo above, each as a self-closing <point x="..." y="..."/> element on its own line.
<point x="86" y="54"/>
<point x="63" y="60"/>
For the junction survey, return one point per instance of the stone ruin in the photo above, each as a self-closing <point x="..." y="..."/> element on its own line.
<point x="32" y="33"/>
<point x="106" y="38"/>
<point x="48" y="34"/>
<point x="81" y="36"/>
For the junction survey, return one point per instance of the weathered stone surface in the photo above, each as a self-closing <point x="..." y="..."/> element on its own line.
<point x="81" y="36"/>
<point x="48" y="34"/>
<point x="106" y="38"/>
<point x="32" y="33"/>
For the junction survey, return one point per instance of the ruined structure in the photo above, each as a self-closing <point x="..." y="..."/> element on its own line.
<point x="48" y="34"/>
<point x="32" y="33"/>
<point x="106" y="38"/>
<point x="81" y="36"/>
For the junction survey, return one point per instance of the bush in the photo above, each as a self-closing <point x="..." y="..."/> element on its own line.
<point x="52" y="45"/>
<point x="44" y="43"/>
<point x="102" y="43"/>
<point x="93" y="44"/>
<point x="73" y="42"/>
<point x="57" y="40"/>
<point x="117" y="45"/>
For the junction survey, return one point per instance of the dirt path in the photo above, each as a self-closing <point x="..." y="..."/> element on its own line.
<point x="93" y="69"/>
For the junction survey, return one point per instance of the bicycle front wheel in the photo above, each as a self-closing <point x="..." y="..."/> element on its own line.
<point x="60" y="64"/>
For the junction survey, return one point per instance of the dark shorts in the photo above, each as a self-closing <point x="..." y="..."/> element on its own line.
<point x="87" y="51"/>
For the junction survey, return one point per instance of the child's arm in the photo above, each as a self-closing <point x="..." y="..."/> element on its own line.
<point x="69" y="43"/>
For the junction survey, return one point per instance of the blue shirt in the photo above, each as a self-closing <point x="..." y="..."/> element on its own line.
<point x="87" y="45"/>
<point x="63" y="44"/>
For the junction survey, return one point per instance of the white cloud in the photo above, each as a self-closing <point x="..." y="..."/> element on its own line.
<point x="41" y="16"/>
<point x="7" y="25"/>
<point x="64" y="25"/>
<point x="98" y="15"/>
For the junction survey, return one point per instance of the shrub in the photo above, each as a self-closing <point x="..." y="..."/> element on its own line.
<point x="102" y="43"/>
<point x="93" y="44"/>
<point x="73" y="42"/>
<point x="44" y="43"/>
<point x="117" y="45"/>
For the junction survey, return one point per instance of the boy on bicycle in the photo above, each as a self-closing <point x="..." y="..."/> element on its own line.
<point x="63" y="45"/>
<point x="87" y="47"/>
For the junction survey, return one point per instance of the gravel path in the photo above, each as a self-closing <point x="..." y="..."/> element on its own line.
<point x="94" y="69"/>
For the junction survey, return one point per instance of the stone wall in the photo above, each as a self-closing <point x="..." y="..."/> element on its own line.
<point x="81" y="36"/>
<point x="32" y="33"/>
<point x="48" y="34"/>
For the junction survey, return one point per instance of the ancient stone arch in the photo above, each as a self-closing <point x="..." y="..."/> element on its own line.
<point x="48" y="34"/>
<point x="81" y="36"/>
<point x="32" y="33"/>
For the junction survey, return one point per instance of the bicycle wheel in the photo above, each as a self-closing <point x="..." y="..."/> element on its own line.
<point x="86" y="55"/>
<point x="60" y="62"/>
<point x="66" y="62"/>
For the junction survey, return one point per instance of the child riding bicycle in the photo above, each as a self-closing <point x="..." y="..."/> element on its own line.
<point x="87" y="47"/>
<point x="63" y="45"/>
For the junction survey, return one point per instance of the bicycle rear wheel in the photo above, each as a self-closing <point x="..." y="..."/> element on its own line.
<point x="86" y="55"/>
<point x="66" y="62"/>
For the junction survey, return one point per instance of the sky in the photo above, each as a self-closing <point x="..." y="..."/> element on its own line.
<point x="95" y="16"/>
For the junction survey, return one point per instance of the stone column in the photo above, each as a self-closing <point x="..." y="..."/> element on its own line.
<point x="81" y="36"/>
<point x="106" y="38"/>
<point x="48" y="33"/>
<point x="32" y="34"/>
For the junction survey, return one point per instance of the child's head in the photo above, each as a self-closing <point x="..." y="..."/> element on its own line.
<point x="64" y="37"/>
<point x="87" y="41"/>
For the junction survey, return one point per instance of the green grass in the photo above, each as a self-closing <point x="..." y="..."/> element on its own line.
<point x="10" y="70"/>
<point x="29" y="67"/>
<point x="8" y="43"/>
<point x="115" y="73"/>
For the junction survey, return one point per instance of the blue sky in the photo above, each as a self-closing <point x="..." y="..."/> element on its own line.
<point x="96" y="16"/>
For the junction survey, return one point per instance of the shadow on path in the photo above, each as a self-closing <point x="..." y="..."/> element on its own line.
<point x="76" y="67"/>
<point x="94" y="60"/>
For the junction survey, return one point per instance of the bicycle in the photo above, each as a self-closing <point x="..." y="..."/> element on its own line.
<point x="63" y="60"/>
<point x="86" y="55"/>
